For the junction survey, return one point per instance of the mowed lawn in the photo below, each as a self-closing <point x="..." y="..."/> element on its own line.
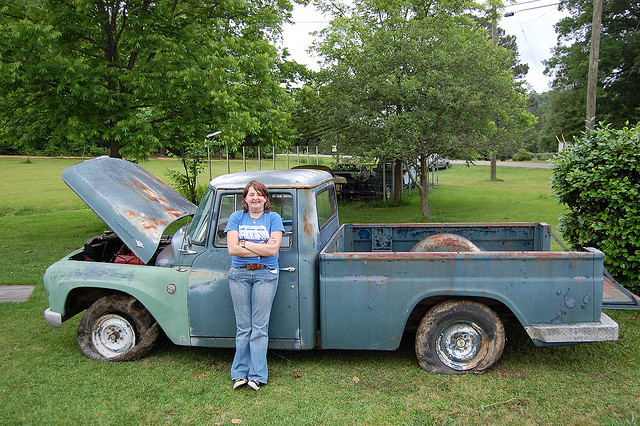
<point x="46" y="379"/>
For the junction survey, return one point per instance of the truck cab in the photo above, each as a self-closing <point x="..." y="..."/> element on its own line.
<point x="134" y="281"/>
<point x="306" y="201"/>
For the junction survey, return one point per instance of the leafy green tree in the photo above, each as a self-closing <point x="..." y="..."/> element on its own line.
<point x="553" y="111"/>
<point x="134" y="75"/>
<point x="508" y="136"/>
<point x="598" y="179"/>
<point x="618" y="72"/>
<point x="403" y="80"/>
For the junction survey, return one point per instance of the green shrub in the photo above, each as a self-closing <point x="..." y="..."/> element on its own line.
<point x="544" y="155"/>
<point x="522" y="155"/>
<point x="598" y="178"/>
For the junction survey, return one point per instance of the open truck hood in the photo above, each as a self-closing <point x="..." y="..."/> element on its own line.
<point x="133" y="203"/>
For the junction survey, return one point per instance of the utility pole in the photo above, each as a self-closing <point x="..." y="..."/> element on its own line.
<point x="494" y="38"/>
<point x="592" y="84"/>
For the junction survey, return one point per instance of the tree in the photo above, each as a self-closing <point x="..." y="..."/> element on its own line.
<point x="402" y="81"/>
<point x="133" y="75"/>
<point x="508" y="136"/>
<point x="618" y="73"/>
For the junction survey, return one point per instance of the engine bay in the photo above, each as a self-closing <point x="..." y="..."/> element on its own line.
<point x="109" y="248"/>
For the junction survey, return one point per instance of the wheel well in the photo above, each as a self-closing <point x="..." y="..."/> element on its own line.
<point x="503" y="312"/>
<point x="79" y="299"/>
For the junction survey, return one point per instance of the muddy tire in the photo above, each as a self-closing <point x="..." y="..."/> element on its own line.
<point x="458" y="337"/>
<point x="117" y="328"/>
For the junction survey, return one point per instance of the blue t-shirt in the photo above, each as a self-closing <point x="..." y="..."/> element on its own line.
<point x="258" y="231"/>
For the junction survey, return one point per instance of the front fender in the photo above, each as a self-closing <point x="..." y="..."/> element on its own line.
<point x="162" y="291"/>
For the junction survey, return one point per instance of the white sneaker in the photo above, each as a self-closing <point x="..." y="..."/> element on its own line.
<point x="254" y="385"/>
<point x="238" y="383"/>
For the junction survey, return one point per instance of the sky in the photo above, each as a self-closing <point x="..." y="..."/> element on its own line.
<point x="533" y="29"/>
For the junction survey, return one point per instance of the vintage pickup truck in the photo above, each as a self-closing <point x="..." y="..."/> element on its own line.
<point x="355" y="286"/>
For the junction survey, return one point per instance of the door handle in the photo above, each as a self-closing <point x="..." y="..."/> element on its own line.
<point x="288" y="269"/>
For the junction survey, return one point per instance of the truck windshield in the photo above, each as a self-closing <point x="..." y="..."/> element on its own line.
<point x="200" y="225"/>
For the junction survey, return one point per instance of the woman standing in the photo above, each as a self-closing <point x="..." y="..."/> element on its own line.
<point x="254" y="235"/>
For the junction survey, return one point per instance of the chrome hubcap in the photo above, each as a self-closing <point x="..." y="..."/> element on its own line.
<point x="461" y="345"/>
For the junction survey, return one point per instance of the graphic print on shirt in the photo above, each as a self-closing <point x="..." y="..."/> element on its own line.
<point x="257" y="233"/>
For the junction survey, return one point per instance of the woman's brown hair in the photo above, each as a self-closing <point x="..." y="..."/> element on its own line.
<point x="260" y="189"/>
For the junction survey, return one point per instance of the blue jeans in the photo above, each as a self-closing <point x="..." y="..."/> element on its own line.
<point x="252" y="293"/>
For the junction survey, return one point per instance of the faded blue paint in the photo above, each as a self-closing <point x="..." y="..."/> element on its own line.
<point x="538" y="287"/>
<point x="355" y="285"/>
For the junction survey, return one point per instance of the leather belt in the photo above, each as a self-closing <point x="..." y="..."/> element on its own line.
<point x="253" y="266"/>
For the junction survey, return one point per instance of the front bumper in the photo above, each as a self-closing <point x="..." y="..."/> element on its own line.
<point x="53" y="318"/>
<point x="605" y="330"/>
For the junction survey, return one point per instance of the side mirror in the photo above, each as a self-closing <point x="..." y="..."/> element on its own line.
<point x="186" y="245"/>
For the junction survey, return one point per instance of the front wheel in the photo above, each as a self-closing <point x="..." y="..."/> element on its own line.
<point x="117" y="328"/>
<point x="459" y="336"/>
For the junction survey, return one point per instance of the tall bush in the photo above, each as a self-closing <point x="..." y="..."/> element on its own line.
<point x="598" y="178"/>
<point x="193" y="157"/>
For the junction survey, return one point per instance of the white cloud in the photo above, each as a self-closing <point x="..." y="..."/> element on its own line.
<point x="297" y="38"/>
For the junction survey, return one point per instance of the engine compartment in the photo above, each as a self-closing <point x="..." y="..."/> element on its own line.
<point x="109" y="248"/>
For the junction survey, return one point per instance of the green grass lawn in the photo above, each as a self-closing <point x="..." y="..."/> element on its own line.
<point x="46" y="379"/>
<point x="465" y="194"/>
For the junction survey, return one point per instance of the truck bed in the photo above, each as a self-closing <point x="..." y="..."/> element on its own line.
<point x="402" y="237"/>
<point x="370" y="276"/>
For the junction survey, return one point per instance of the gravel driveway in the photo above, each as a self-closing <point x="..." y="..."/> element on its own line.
<point x="507" y="163"/>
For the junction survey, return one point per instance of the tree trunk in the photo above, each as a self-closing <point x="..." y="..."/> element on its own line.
<point x="114" y="149"/>
<point x="397" y="181"/>
<point x="493" y="166"/>
<point x="424" y="188"/>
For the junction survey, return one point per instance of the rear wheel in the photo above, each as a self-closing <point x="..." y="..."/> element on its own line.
<point x="117" y="328"/>
<point x="459" y="336"/>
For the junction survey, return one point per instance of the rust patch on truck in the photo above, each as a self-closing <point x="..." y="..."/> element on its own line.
<point x="150" y="225"/>
<point x="308" y="227"/>
<point x="150" y="195"/>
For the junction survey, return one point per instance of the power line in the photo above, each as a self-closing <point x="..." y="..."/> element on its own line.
<point x="529" y="8"/>
<point x="524" y="2"/>
<point x="548" y="113"/>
